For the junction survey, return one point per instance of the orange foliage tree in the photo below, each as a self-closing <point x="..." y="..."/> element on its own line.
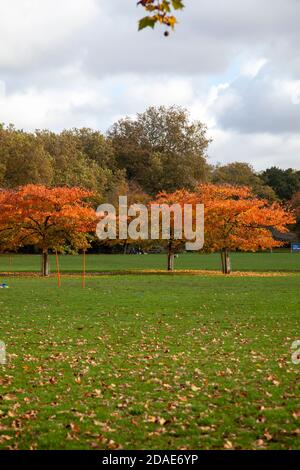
<point x="176" y="202"/>
<point x="48" y="218"/>
<point x="235" y="219"/>
<point x="7" y="230"/>
<point x="135" y="197"/>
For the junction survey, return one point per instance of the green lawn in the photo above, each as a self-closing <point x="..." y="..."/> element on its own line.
<point x="104" y="263"/>
<point x="156" y="362"/>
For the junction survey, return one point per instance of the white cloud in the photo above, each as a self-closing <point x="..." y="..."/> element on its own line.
<point x="2" y="89"/>
<point x="260" y="150"/>
<point x="165" y="92"/>
<point x="251" y="68"/>
<point x="261" y="104"/>
<point x="54" y="109"/>
<point x="32" y="28"/>
<point x="234" y="65"/>
<point x="291" y="88"/>
<point x="203" y="107"/>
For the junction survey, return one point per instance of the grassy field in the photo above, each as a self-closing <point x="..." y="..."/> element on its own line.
<point x="155" y="362"/>
<point x="283" y="262"/>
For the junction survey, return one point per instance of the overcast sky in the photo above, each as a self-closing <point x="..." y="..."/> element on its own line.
<point x="235" y="64"/>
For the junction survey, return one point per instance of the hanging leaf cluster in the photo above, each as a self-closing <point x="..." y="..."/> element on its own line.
<point x="160" y="12"/>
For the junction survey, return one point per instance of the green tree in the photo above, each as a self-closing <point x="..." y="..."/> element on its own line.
<point x="23" y="159"/>
<point x="295" y="202"/>
<point x="95" y="146"/>
<point x="285" y="183"/>
<point x="74" y="166"/>
<point x="242" y="174"/>
<point x="161" y="150"/>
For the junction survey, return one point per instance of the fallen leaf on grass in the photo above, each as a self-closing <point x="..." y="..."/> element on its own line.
<point x="73" y="427"/>
<point x="228" y="445"/>
<point x="268" y="436"/>
<point x="259" y="443"/>
<point x="4" y="438"/>
<point x="112" y="445"/>
<point x="8" y="397"/>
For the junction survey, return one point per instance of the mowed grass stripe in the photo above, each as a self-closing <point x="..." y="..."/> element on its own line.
<point x="260" y="262"/>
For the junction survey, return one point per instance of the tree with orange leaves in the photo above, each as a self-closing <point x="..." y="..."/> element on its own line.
<point x="7" y="230"/>
<point x="135" y="197"/>
<point x="47" y="218"/>
<point x="172" y="233"/>
<point x="235" y="219"/>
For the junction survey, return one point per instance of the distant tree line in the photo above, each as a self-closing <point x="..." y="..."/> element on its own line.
<point x="158" y="150"/>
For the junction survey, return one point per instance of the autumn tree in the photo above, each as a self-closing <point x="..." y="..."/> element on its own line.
<point x="134" y="197"/>
<point x="8" y="231"/>
<point x="235" y="219"/>
<point x="161" y="150"/>
<point x="166" y="220"/>
<point x="47" y="218"/>
<point x="172" y="234"/>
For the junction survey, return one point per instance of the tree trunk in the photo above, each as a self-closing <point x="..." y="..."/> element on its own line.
<point x="170" y="258"/>
<point x="45" y="271"/>
<point x="227" y="263"/>
<point x="222" y="261"/>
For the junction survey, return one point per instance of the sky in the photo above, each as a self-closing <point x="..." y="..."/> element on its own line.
<point x="234" y="64"/>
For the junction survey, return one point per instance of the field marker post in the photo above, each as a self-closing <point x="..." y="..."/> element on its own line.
<point x="57" y="269"/>
<point x="84" y="269"/>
